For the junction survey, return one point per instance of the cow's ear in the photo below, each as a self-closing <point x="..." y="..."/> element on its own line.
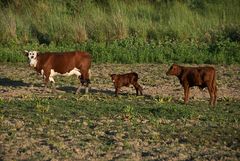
<point x="25" y="52"/>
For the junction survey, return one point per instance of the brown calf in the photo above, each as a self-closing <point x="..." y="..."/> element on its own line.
<point x="50" y="64"/>
<point x="120" y="80"/>
<point x="196" y="76"/>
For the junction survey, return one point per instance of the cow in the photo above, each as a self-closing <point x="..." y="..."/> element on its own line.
<point x="120" y="80"/>
<point x="196" y="76"/>
<point x="50" y="64"/>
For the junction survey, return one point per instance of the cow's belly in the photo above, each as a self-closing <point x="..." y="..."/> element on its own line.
<point x="75" y="71"/>
<point x="53" y="73"/>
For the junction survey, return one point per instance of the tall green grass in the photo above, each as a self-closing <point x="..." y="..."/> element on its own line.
<point x="194" y="31"/>
<point x="138" y="51"/>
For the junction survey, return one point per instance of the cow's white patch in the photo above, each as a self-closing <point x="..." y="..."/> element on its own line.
<point x="72" y="72"/>
<point x="53" y="73"/>
<point x="51" y="79"/>
<point x="32" y="56"/>
<point x="42" y="72"/>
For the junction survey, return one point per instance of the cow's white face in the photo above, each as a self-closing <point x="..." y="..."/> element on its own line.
<point x="32" y="56"/>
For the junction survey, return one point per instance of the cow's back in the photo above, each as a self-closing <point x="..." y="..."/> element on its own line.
<point x="64" y="62"/>
<point x="198" y="76"/>
<point x="82" y="60"/>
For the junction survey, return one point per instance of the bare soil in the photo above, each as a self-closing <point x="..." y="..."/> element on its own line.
<point x="20" y="80"/>
<point x="77" y="137"/>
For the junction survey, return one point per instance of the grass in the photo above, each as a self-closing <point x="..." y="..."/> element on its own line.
<point x="64" y="126"/>
<point x="133" y="50"/>
<point x="191" y="31"/>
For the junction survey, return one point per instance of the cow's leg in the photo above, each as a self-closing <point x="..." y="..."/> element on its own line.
<point x="85" y="80"/>
<point x="53" y="84"/>
<point x="85" y="83"/>
<point x="46" y="80"/>
<point x="79" y="87"/>
<point x="186" y="94"/>
<point x="86" y="87"/>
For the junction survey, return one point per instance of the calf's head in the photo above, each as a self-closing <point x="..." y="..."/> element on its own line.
<point x="32" y="57"/>
<point x="113" y="77"/>
<point x="174" y="70"/>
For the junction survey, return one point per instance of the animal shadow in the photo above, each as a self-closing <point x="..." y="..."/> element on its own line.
<point x="12" y="83"/>
<point x="69" y="89"/>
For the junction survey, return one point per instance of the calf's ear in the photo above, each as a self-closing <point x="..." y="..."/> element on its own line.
<point x="25" y="52"/>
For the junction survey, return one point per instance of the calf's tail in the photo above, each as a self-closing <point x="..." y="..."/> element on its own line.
<point x="214" y="86"/>
<point x="89" y="74"/>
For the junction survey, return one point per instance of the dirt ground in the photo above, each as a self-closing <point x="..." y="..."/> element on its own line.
<point x="114" y="138"/>
<point x="17" y="80"/>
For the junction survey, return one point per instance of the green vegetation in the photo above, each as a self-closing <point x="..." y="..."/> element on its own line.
<point x="136" y="31"/>
<point x="100" y="126"/>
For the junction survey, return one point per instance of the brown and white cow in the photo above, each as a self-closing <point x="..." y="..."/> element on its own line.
<point x="196" y="76"/>
<point x="50" y="64"/>
<point x="120" y="80"/>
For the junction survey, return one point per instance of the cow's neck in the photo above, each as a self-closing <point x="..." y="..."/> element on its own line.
<point x="38" y="67"/>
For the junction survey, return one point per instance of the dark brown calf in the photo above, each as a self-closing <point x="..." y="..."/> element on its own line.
<point x="196" y="76"/>
<point x="120" y="80"/>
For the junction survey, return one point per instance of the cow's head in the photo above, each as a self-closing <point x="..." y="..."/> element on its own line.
<point x="32" y="57"/>
<point x="174" y="70"/>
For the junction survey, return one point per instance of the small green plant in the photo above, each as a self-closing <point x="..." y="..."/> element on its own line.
<point x="161" y="100"/>
<point x="42" y="108"/>
<point x="128" y="112"/>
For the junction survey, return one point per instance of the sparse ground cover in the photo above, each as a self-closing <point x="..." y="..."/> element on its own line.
<point x="38" y="125"/>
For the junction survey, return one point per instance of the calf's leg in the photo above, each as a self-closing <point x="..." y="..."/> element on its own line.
<point x="215" y="95"/>
<point x="186" y="94"/>
<point x="138" y="88"/>
<point x="212" y="94"/>
<point x="117" y="91"/>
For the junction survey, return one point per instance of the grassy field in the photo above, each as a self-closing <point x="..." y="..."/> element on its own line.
<point x="120" y="31"/>
<point x="38" y="125"/>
